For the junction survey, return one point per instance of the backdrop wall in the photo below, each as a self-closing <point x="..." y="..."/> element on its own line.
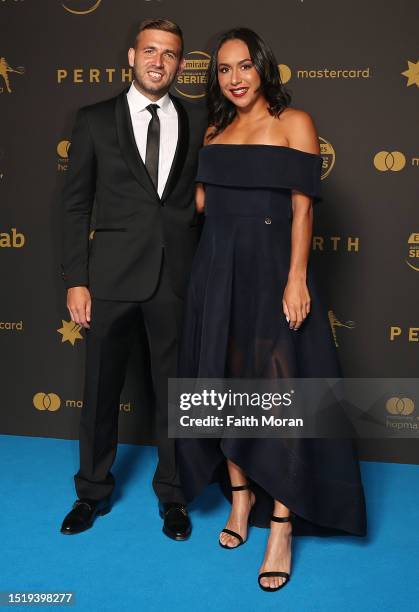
<point x="352" y="65"/>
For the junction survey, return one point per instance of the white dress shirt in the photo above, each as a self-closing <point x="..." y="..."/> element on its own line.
<point x="141" y="117"/>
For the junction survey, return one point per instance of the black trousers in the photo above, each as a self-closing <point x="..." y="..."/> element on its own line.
<point x="108" y="345"/>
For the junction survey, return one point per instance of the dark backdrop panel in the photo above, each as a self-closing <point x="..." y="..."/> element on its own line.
<point x="59" y="55"/>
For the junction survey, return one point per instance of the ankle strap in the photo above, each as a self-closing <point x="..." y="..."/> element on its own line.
<point x="244" y="487"/>
<point x="281" y="519"/>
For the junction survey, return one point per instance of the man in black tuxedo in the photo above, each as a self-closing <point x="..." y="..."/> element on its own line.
<point x="133" y="159"/>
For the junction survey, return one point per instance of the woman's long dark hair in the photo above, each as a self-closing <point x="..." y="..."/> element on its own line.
<point x="221" y="111"/>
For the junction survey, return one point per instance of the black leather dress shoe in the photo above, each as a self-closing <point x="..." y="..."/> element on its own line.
<point x="83" y="514"/>
<point x="177" y="524"/>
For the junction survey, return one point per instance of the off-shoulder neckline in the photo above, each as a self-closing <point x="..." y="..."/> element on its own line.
<point x="232" y="144"/>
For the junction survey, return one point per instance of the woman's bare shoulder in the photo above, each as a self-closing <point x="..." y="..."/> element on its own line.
<point x="300" y="131"/>
<point x="295" y="117"/>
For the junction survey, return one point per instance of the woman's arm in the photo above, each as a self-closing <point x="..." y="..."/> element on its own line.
<point x="199" y="198"/>
<point x="200" y="190"/>
<point x="296" y="299"/>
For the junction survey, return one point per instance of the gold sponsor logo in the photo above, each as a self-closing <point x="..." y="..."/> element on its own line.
<point x="412" y="73"/>
<point x="389" y="160"/>
<point x="11" y="325"/>
<point x="349" y="244"/>
<point x="70" y="332"/>
<point x="52" y="402"/>
<point x="396" y="332"/>
<point x="80" y="76"/>
<point x="5" y="70"/>
<point x="62" y="151"/>
<point x="81" y="7"/>
<point x="12" y="239"/>
<point x="400" y="411"/>
<point x="413" y="252"/>
<point x="335" y="323"/>
<point x="78" y="403"/>
<point x="333" y="73"/>
<point x="284" y="73"/>
<point x="329" y="157"/>
<point x="47" y="401"/>
<point x="400" y="406"/>
<point x="192" y="81"/>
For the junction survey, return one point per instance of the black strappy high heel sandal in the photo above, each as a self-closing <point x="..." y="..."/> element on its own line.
<point x="245" y="487"/>
<point x="276" y="519"/>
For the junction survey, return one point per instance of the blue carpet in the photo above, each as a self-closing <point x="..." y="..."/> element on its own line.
<point x="126" y="563"/>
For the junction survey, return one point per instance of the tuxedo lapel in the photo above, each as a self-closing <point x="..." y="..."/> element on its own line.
<point x="181" y="148"/>
<point x="128" y="145"/>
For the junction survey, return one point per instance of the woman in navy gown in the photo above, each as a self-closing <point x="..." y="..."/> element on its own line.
<point x="253" y="311"/>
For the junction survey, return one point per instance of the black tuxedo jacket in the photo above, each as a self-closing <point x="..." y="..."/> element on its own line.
<point x="107" y="175"/>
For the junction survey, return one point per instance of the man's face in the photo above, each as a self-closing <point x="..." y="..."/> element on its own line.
<point x="156" y="61"/>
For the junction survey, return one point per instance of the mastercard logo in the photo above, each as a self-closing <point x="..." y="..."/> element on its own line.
<point x="46" y="401"/>
<point x="389" y="160"/>
<point x="62" y="148"/>
<point x="400" y="406"/>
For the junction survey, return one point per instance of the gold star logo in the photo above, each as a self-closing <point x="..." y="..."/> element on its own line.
<point x="412" y="73"/>
<point x="70" y="332"/>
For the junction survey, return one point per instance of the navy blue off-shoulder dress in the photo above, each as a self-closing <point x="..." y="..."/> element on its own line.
<point x="234" y="326"/>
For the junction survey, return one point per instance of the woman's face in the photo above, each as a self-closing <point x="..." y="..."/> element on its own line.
<point x="238" y="78"/>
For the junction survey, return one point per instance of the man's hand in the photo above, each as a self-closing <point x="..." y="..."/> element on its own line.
<point x="79" y="304"/>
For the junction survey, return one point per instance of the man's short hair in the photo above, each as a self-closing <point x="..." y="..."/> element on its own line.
<point x="160" y="24"/>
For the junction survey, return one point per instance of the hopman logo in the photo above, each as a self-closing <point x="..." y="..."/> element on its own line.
<point x="334" y="323"/>
<point x="70" y="332"/>
<point x="412" y="333"/>
<point x="412" y="73"/>
<point x="385" y="160"/>
<point x="11" y="325"/>
<point x="335" y="243"/>
<point x="62" y="151"/>
<point x="5" y="69"/>
<point x="413" y="251"/>
<point x="329" y="157"/>
<point x="191" y="83"/>
<point x="46" y="401"/>
<point x="12" y="240"/>
<point x="81" y="7"/>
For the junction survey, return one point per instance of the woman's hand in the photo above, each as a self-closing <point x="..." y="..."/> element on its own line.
<point x="296" y="302"/>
